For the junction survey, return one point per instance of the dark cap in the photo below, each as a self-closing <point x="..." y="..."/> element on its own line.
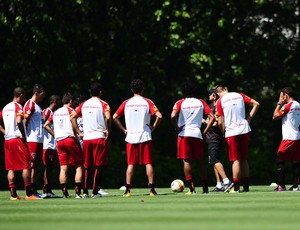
<point x="211" y="90"/>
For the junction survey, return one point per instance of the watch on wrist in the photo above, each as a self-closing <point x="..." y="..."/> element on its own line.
<point x="279" y="103"/>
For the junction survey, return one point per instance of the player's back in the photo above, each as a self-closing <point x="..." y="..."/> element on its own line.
<point x="9" y="113"/>
<point x="62" y="123"/>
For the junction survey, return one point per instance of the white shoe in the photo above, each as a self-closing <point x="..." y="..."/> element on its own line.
<point x="102" y="192"/>
<point x="78" y="196"/>
<point x="96" y="196"/>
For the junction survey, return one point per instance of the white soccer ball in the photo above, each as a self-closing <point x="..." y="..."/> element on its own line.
<point x="177" y="185"/>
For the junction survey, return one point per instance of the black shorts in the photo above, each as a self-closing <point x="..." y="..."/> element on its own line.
<point x="214" y="150"/>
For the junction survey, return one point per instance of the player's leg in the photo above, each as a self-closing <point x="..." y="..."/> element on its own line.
<point x="187" y="170"/>
<point x="78" y="180"/>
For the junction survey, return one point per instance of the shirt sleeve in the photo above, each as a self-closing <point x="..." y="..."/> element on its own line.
<point x="247" y="99"/>
<point x="207" y="110"/>
<point x="28" y="109"/>
<point x="120" y="110"/>
<point x="219" y="109"/>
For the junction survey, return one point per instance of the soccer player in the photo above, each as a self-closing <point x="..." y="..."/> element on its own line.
<point x="34" y="131"/>
<point x="234" y="124"/>
<point x="186" y="117"/>
<point x="288" y="109"/>
<point x="68" y="147"/>
<point x="214" y="139"/>
<point x="17" y="156"/>
<point x="49" y="149"/>
<point x="96" y="122"/>
<point x="137" y="111"/>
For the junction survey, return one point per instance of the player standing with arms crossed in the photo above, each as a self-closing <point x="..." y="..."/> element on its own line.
<point x="137" y="111"/>
<point x="187" y="117"/>
<point x="17" y="155"/>
<point x="288" y="109"/>
<point x="96" y="126"/>
<point x="234" y="124"/>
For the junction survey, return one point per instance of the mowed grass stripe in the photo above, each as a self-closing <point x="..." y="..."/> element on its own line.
<point x="259" y="209"/>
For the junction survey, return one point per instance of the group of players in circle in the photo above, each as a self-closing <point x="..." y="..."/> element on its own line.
<point x="77" y="135"/>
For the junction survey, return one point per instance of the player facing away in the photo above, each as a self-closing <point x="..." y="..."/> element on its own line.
<point x="214" y="139"/>
<point x="288" y="109"/>
<point x="234" y="124"/>
<point x="137" y="111"/>
<point x="96" y="122"/>
<point x="68" y="147"/>
<point x="17" y="156"/>
<point x="49" y="149"/>
<point x="186" y="117"/>
<point x="34" y="121"/>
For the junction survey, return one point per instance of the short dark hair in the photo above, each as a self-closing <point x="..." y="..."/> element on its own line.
<point x="54" y="98"/>
<point x="67" y="98"/>
<point x="188" y="88"/>
<point x="18" y="91"/>
<point x="78" y="100"/>
<point x="137" y="85"/>
<point x="95" y="88"/>
<point x="288" y="90"/>
<point x="37" y="88"/>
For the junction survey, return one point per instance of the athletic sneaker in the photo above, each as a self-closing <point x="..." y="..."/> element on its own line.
<point x="16" y="198"/>
<point x="280" y="189"/>
<point x="293" y="189"/>
<point x="228" y="186"/>
<point x="191" y="192"/>
<point x="102" y="192"/>
<point x="216" y="189"/>
<point x="96" y="195"/>
<point x="32" y="197"/>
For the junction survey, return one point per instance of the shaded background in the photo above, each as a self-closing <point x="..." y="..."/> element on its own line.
<point x="249" y="46"/>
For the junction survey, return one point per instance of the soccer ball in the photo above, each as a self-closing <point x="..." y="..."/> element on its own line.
<point x="177" y="185"/>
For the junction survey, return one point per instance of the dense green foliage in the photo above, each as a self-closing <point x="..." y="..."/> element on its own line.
<point x="250" y="46"/>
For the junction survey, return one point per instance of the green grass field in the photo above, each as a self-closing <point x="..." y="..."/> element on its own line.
<point x="259" y="209"/>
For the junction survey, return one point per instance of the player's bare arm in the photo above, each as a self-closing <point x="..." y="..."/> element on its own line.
<point x="210" y="121"/>
<point x="255" y="105"/>
<point x="174" y="117"/>
<point x="281" y="101"/>
<point x="47" y="126"/>
<point x="118" y="123"/>
<point x="158" y="119"/>
<point x="221" y="124"/>
<point x="108" y="123"/>
<point x="76" y="128"/>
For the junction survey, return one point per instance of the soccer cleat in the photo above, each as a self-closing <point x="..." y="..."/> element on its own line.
<point x="228" y="186"/>
<point x="102" y="192"/>
<point x="78" y="196"/>
<point x="96" y="195"/>
<point x="191" y="192"/>
<point x="50" y="195"/>
<point x="216" y="189"/>
<point x="127" y="194"/>
<point x="280" y="189"/>
<point x="38" y="195"/>
<point x="84" y="195"/>
<point x="32" y="197"/>
<point x="233" y="191"/>
<point x="16" y="198"/>
<point x="293" y="189"/>
<point x="153" y="193"/>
